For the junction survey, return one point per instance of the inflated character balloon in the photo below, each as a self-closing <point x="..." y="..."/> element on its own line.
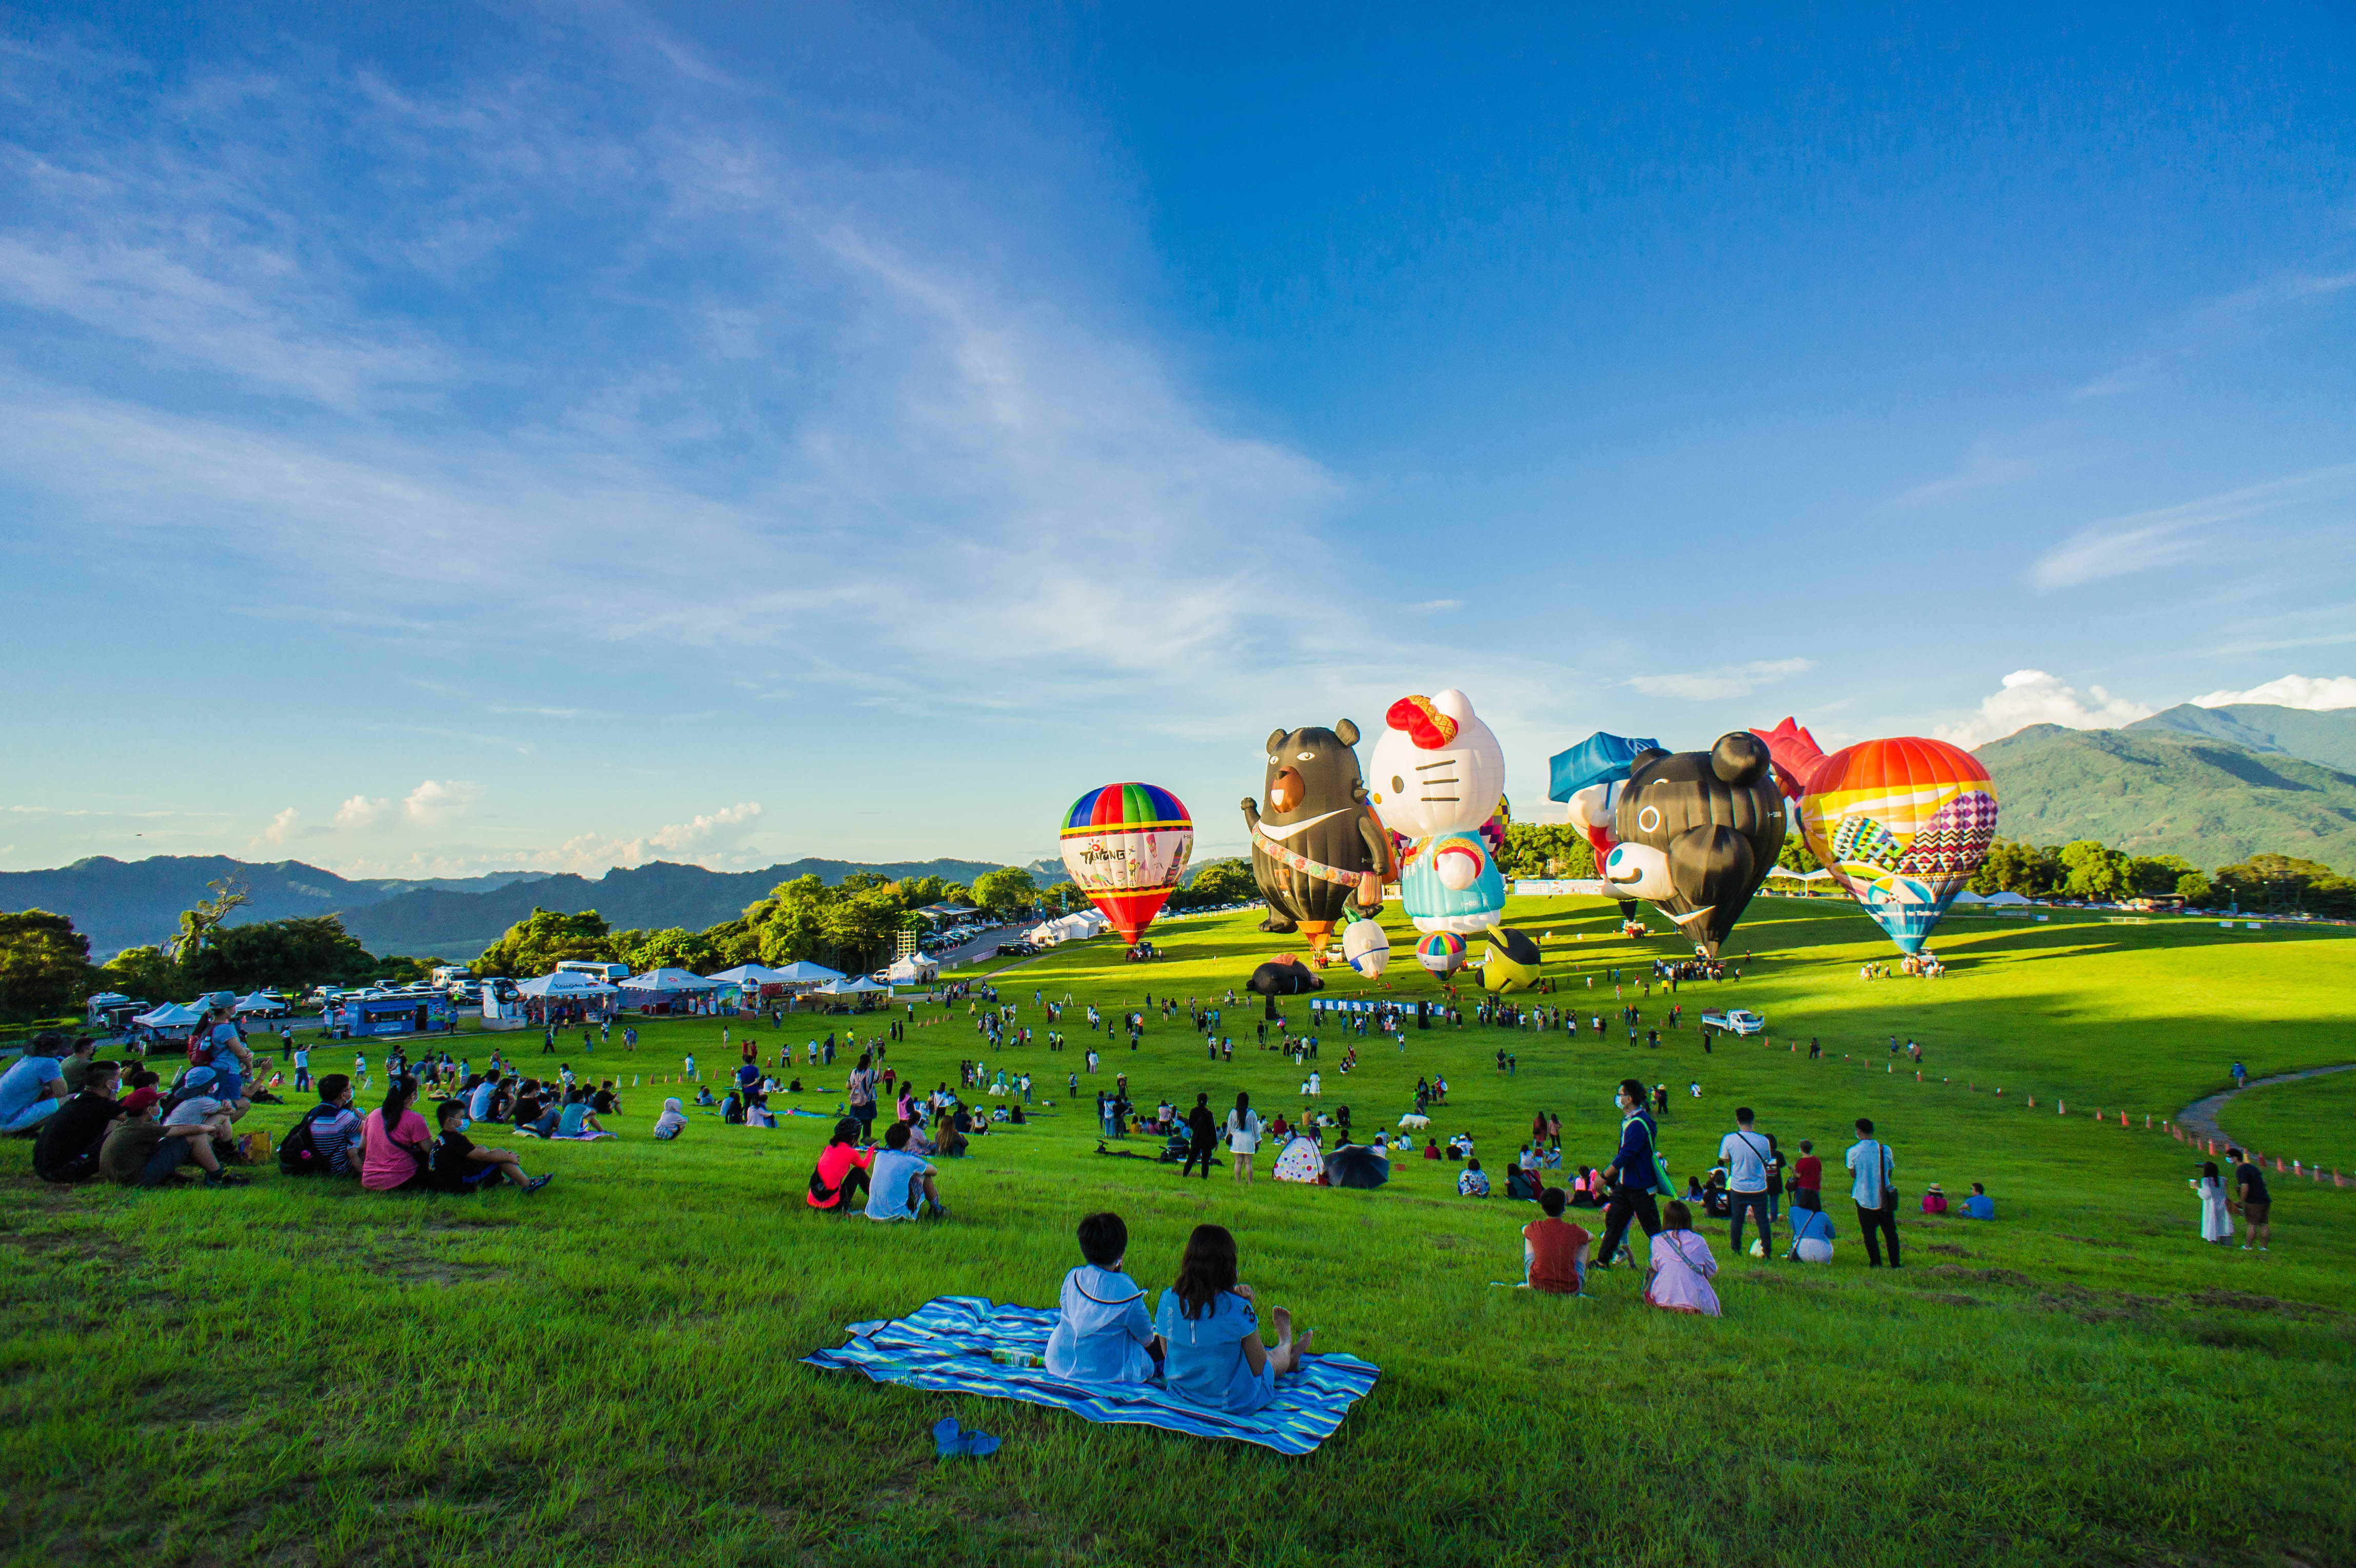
<point x="1901" y="823"/>
<point x="1511" y="962"/>
<point x="1588" y="779"/>
<point x="1316" y="847"/>
<point x="1126" y="846"/>
<point x="1367" y="948"/>
<point x="1442" y="952"/>
<point x="1698" y="833"/>
<point x="1285" y="976"/>
<point x="1438" y="775"/>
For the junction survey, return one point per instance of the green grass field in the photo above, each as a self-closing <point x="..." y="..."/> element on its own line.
<point x="605" y="1371"/>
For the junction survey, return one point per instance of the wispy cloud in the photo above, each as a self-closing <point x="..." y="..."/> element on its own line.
<point x="1995" y="462"/>
<point x="1727" y="680"/>
<point x="2145" y="542"/>
<point x="2272" y="304"/>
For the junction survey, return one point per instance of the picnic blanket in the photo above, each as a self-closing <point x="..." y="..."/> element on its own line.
<point x="945" y="1345"/>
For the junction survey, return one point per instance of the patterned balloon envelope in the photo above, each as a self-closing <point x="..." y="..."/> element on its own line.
<point x="1901" y="823"/>
<point x="1442" y="952"/>
<point x="1126" y="846"/>
<point x="1368" y="947"/>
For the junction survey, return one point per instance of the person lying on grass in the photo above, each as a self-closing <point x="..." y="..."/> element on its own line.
<point x="1554" y="1251"/>
<point x="841" y="1176"/>
<point x="901" y="1184"/>
<point x="460" y="1165"/>
<point x="1681" y="1266"/>
<point x="1212" y="1354"/>
<point x="1105" y="1335"/>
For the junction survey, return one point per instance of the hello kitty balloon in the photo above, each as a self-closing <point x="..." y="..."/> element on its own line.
<point x="1436" y="775"/>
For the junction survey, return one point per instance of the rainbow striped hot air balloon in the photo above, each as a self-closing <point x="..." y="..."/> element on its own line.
<point x="1901" y="823"/>
<point x="1127" y="845"/>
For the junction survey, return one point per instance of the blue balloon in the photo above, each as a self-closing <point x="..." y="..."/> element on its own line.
<point x="1598" y="758"/>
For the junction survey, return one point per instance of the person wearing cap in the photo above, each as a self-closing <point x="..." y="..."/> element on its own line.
<point x="218" y="1044"/>
<point x="31" y="1091"/>
<point x="1934" y="1200"/>
<point x="186" y="1135"/>
<point x="70" y="1142"/>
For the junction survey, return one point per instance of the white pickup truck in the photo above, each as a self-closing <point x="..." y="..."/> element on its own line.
<point x="1733" y="1021"/>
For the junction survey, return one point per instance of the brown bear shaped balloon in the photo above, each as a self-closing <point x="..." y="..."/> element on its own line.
<point x="1316" y="844"/>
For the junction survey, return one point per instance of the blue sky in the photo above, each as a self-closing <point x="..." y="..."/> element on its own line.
<point x="568" y="437"/>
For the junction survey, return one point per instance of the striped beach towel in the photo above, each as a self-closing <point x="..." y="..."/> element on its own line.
<point x="946" y="1343"/>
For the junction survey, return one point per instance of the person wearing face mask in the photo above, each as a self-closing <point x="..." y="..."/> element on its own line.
<point x="1634" y="1176"/>
<point x="459" y="1165"/>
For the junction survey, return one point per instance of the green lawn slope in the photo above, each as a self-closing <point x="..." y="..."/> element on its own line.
<point x="605" y="1373"/>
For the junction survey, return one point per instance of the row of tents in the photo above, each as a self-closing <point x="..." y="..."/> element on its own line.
<point x="671" y="984"/>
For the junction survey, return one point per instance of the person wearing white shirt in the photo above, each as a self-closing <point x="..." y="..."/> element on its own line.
<point x="1746" y="1156"/>
<point x="1243" y="1136"/>
<point x="1873" y="1165"/>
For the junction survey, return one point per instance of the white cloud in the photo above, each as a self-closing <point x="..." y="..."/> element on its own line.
<point x="1996" y="462"/>
<point x="282" y="826"/>
<point x="1433" y="607"/>
<point x="2143" y="541"/>
<point x="1728" y="680"/>
<point x="711" y="840"/>
<point x="2314" y="692"/>
<point x="360" y="812"/>
<point x="436" y="803"/>
<point x="2033" y="697"/>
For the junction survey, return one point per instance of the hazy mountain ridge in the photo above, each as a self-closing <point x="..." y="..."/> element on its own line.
<point x="2328" y="737"/>
<point x="120" y="904"/>
<point x="2164" y="789"/>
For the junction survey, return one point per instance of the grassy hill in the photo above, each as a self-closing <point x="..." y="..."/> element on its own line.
<point x="2163" y="792"/>
<point x="2328" y="737"/>
<point x="605" y="1373"/>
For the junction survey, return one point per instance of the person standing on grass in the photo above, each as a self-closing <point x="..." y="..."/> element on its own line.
<point x="2250" y="1194"/>
<point x="1632" y="1174"/>
<point x="1872" y="1166"/>
<point x="2241" y="1075"/>
<point x="860" y="1088"/>
<point x="1747" y="1156"/>
<point x="2216" y="1205"/>
<point x="1202" y="1137"/>
<point x="1242" y="1136"/>
<point x="1809" y="1178"/>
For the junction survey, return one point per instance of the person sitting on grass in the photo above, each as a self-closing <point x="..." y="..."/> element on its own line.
<point x="1934" y="1200"/>
<point x="396" y="1145"/>
<point x="32" y="1089"/>
<point x="1554" y="1251"/>
<point x="671" y="1123"/>
<point x="1812" y="1237"/>
<point x="460" y="1165"/>
<point x="1473" y="1181"/>
<point x="579" y="1120"/>
<point x="67" y="1150"/>
<point x="1587" y="1189"/>
<point x="1979" y="1206"/>
<point x="334" y="1125"/>
<point x="142" y="1152"/>
<point x="703" y="1096"/>
<point x="900" y="1185"/>
<point x="1681" y="1266"/>
<point x="1430" y="1147"/>
<point x="842" y="1174"/>
<point x="1209" y="1324"/>
<point x="1104" y="1334"/>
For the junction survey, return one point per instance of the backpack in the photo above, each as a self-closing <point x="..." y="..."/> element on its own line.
<point x="299" y="1153"/>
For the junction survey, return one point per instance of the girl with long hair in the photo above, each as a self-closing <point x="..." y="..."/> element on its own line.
<point x="1209" y="1325"/>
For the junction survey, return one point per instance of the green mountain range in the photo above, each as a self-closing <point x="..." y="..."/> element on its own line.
<point x="2329" y="737"/>
<point x="2155" y="789"/>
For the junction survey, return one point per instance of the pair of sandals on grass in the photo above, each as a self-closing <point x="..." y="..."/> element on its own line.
<point x="953" y="1442"/>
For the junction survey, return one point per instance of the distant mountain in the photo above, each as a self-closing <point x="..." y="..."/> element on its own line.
<point x="121" y="904"/>
<point x="2328" y="737"/>
<point x="461" y="925"/>
<point x="2158" y="790"/>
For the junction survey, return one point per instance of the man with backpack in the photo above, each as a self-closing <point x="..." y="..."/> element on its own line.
<point x="321" y="1143"/>
<point x="1747" y="1157"/>
<point x="1873" y="1166"/>
<point x="1635" y="1173"/>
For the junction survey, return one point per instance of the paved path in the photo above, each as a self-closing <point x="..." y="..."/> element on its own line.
<point x="2200" y="1116"/>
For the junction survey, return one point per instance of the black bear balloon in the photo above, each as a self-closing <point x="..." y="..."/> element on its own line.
<point x="1698" y="833"/>
<point x="1317" y="844"/>
<point x="1286" y="976"/>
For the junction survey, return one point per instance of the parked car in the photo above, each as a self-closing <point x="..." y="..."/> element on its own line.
<point x="1017" y="949"/>
<point x="1733" y="1021"/>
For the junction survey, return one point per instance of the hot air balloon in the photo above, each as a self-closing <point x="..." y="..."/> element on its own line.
<point x="1439" y="776"/>
<point x="1698" y="833"/>
<point x="1366" y="947"/>
<point x="1318" y="853"/>
<point x="1442" y="952"/>
<point x="1126" y="846"/>
<point x="1901" y="823"/>
<point x="1588" y="779"/>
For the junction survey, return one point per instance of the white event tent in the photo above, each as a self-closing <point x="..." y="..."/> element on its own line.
<point x="751" y="976"/>
<point x="258" y="1002"/>
<point x="671" y="980"/>
<point x="914" y="970"/>
<point x="801" y="971"/>
<point x="566" y="986"/>
<point x="171" y="1015"/>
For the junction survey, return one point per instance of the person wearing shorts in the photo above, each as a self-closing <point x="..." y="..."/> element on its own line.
<point x="2250" y="1193"/>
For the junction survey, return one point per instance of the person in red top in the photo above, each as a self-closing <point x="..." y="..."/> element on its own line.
<point x="840" y="1183"/>
<point x="1554" y="1251"/>
<point x="1809" y="1178"/>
